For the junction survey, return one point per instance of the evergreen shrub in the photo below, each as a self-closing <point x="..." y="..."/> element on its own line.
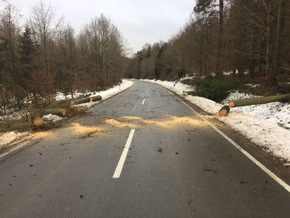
<point x="210" y="88"/>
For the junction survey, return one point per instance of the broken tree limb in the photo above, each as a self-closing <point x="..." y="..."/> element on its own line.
<point x="224" y="111"/>
<point x="86" y="100"/>
<point x="261" y="100"/>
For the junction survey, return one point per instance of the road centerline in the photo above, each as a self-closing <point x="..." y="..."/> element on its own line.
<point x="123" y="157"/>
<point x="143" y="102"/>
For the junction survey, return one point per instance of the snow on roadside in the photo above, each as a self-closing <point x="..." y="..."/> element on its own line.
<point x="108" y="93"/>
<point x="9" y="137"/>
<point x="275" y="112"/>
<point x="260" y="123"/>
<point x="105" y="94"/>
<point x="116" y="89"/>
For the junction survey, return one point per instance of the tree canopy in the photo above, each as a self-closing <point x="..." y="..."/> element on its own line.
<point x="248" y="39"/>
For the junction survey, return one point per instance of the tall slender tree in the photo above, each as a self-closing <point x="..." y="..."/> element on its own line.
<point x="28" y="50"/>
<point x="208" y="9"/>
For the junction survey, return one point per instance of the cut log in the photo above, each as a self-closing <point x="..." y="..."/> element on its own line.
<point x="56" y="111"/>
<point x="96" y="98"/>
<point x="262" y="100"/>
<point x="38" y="121"/>
<point x="224" y="111"/>
<point x="86" y="100"/>
<point x="80" y="101"/>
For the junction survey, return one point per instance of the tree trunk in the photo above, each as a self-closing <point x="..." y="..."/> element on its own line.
<point x="86" y="100"/>
<point x="276" y="46"/>
<point x="56" y="111"/>
<point x="262" y="100"/>
<point x="38" y="121"/>
<point x="96" y="98"/>
<point x="220" y="40"/>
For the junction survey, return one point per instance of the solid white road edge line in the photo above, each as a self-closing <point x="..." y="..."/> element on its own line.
<point x="123" y="157"/>
<point x="143" y="101"/>
<point x="259" y="164"/>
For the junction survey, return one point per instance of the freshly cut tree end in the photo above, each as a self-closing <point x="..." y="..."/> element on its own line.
<point x="231" y="103"/>
<point x="224" y="111"/>
<point x="38" y="121"/>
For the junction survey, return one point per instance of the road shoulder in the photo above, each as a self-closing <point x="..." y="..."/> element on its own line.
<point x="274" y="164"/>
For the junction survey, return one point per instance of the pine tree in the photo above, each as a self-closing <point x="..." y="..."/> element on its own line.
<point x="28" y="50"/>
<point x="27" y="47"/>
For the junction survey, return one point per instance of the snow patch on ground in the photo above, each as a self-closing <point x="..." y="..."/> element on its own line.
<point x="9" y="137"/>
<point x="237" y="95"/>
<point x="116" y="89"/>
<point x="51" y="118"/>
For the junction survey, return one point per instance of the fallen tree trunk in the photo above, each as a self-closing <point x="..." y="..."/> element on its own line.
<point x="96" y="98"/>
<point x="86" y="100"/>
<point x="81" y="101"/>
<point x="55" y="111"/>
<point x="224" y="111"/>
<point x="38" y="121"/>
<point x="262" y="100"/>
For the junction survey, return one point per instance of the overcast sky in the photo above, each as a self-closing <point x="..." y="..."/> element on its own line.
<point x="139" y="21"/>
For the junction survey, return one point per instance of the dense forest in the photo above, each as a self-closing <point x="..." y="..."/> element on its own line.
<point x="247" y="39"/>
<point x="45" y="55"/>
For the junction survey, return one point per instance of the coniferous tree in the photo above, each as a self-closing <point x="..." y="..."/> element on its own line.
<point x="28" y="50"/>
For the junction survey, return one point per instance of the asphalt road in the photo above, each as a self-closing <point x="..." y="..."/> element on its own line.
<point x="142" y="153"/>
